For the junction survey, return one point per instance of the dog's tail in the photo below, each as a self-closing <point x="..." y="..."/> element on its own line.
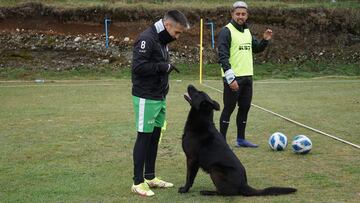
<point x="249" y="191"/>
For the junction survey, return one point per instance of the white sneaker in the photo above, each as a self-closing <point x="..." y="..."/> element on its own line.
<point x="142" y="189"/>
<point x="156" y="182"/>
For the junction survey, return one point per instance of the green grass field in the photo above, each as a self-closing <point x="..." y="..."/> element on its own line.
<point x="71" y="141"/>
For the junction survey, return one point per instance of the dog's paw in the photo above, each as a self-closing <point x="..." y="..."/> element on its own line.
<point x="183" y="190"/>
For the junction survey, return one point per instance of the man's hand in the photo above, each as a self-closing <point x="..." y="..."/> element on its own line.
<point x="234" y="86"/>
<point x="268" y="34"/>
<point x="166" y="68"/>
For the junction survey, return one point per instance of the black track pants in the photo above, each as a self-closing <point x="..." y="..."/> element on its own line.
<point x="243" y="98"/>
<point x="144" y="154"/>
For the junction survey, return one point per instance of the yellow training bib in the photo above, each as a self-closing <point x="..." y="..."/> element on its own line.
<point x="241" y="58"/>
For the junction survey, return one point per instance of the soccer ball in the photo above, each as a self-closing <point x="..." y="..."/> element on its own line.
<point x="278" y="141"/>
<point x="301" y="144"/>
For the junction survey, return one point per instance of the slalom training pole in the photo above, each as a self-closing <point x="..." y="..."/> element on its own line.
<point x="201" y="50"/>
<point x="107" y="32"/>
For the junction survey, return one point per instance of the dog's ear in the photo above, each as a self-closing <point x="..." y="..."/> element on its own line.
<point x="215" y="105"/>
<point x="212" y="103"/>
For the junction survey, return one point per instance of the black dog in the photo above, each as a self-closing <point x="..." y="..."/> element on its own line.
<point x="205" y="148"/>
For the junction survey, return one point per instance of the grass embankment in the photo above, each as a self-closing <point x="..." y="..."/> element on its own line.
<point x="187" y="3"/>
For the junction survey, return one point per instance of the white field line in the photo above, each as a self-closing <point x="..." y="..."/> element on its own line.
<point x="295" y="122"/>
<point x="307" y="81"/>
<point x="59" y="81"/>
<point x="58" y="85"/>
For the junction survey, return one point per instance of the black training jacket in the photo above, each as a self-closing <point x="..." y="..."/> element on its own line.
<point x="224" y="42"/>
<point x="149" y="66"/>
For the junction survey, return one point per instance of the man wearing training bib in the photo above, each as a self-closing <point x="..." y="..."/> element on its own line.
<point x="236" y="46"/>
<point x="150" y="78"/>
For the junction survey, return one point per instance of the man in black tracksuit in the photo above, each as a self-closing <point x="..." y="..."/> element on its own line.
<point x="150" y="79"/>
<point x="235" y="48"/>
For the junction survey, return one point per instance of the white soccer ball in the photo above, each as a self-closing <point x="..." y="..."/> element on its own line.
<point x="301" y="144"/>
<point x="278" y="141"/>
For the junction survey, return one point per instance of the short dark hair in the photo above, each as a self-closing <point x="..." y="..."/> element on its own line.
<point x="178" y="17"/>
<point x="239" y="4"/>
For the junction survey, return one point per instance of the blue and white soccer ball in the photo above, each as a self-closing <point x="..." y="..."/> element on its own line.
<point x="301" y="144"/>
<point x="278" y="141"/>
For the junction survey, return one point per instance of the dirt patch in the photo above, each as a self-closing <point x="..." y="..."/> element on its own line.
<point x="37" y="36"/>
